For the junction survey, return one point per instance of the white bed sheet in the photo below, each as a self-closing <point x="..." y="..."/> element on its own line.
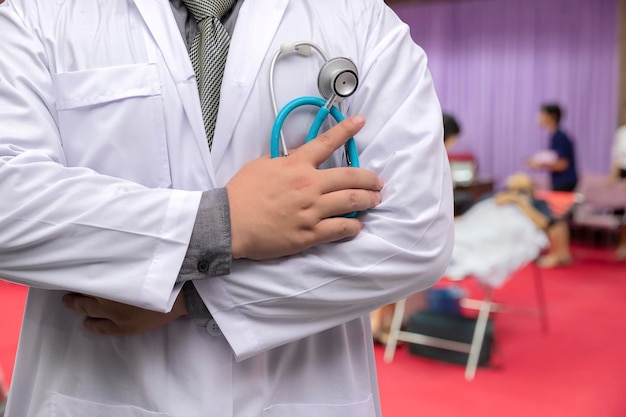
<point x="492" y="242"/>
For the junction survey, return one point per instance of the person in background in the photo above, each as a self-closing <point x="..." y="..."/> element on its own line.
<point x="562" y="160"/>
<point x="618" y="173"/>
<point x="451" y="131"/>
<point x="520" y="190"/>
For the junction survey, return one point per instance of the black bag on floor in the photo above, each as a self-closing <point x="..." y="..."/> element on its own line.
<point x="450" y="327"/>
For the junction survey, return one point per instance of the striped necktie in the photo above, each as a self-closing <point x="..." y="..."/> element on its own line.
<point x="208" y="55"/>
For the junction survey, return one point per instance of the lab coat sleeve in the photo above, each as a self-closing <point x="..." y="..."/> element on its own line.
<point x="406" y="242"/>
<point x="70" y="228"/>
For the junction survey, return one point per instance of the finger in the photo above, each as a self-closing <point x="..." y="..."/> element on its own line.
<point x="335" y="179"/>
<point x="336" y="228"/>
<point x="346" y="201"/>
<point x="88" y="306"/>
<point x="320" y="149"/>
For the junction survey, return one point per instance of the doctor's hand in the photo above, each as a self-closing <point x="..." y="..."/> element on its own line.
<point x="116" y="319"/>
<point x="285" y="205"/>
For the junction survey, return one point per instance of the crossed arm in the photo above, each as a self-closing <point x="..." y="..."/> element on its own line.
<point x="278" y="207"/>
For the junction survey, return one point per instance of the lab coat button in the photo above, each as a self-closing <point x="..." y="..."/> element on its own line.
<point x="213" y="329"/>
<point x="203" y="266"/>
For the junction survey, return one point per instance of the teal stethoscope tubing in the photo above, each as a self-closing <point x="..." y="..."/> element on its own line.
<point x="322" y="114"/>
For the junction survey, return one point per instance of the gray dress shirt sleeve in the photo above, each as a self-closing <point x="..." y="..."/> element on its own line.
<point x="209" y="251"/>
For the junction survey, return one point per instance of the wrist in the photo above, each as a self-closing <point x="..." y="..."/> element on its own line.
<point x="237" y="246"/>
<point x="238" y="242"/>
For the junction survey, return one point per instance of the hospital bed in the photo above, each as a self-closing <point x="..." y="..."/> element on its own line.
<point x="491" y="256"/>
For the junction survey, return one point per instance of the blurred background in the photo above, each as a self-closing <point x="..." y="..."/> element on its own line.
<point x="495" y="63"/>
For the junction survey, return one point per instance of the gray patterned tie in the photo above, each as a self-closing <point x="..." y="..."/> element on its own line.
<point x="208" y="55"/>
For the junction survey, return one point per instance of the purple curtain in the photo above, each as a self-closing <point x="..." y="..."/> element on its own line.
<point x="494" y="62"/>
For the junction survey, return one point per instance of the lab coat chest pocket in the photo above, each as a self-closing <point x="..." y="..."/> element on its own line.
<point x="111" y="120"/>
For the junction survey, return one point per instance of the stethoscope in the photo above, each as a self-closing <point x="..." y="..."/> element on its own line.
<point x="337" y="79"/>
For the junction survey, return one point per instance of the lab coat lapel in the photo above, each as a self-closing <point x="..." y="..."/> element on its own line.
<point x="249" y="47"/>
<point x="159" y="18"/>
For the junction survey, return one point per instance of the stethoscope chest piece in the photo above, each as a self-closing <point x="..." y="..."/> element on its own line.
<point x="338" y="77"/>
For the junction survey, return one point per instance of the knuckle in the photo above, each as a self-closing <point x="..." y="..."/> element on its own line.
<point x="353" y="200"/>
<point x="308" y="216"/>
<point x="303" y="240"/>
<point x="347" y="228"/>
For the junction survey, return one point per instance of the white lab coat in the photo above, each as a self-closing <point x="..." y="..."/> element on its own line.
<point x="102" y="157"/>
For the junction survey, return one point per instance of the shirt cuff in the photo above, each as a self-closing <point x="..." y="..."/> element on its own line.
<point x="209" y="253"/>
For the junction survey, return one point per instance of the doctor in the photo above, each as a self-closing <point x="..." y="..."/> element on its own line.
<point x="110" y="191"/>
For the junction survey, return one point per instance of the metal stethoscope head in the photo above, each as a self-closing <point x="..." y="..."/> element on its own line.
<point x="337" y="79"/>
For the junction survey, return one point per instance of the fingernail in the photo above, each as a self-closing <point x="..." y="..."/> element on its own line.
<point x="358" y="120"/>
<point x="381" y="183"/>
<point x="379" y="198"/>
